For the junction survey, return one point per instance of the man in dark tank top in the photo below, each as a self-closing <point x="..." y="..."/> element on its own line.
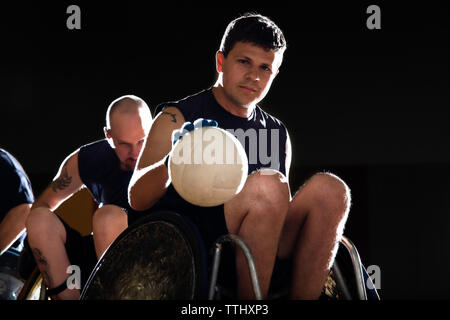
<point x="305" y="228"/>
<point x="105" y="168"/>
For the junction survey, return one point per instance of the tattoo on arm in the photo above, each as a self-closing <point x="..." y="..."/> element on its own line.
<point x="173" y="115"/>
<point x="40" y="259"/>
<point x="63" y="181"/>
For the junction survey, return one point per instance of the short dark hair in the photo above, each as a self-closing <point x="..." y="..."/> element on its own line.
<point x="254" y="28"/>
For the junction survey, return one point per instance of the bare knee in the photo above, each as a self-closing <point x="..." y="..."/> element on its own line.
<point x="108" y="215"/>
<point x="269" y="191"/>
<point x="273" y="185"/>
<point x="39" y="220"/>
<point x="331" y="193"/>
<point x="43" y="223"/>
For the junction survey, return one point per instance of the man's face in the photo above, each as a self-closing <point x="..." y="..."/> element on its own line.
<point x="248" y="72"/>
<point x="127" y="135"/>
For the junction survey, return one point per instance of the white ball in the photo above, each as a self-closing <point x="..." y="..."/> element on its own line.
<point x="208" y="166"/>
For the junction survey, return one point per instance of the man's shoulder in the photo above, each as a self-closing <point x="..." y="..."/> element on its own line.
<point x="269" y="119"/>
<point x="96" y="146"/>
<point x="7" y="160"/>
<point x="190" y="101"/>
<point x="96" y="152"/>
<point x="15" y="184"/>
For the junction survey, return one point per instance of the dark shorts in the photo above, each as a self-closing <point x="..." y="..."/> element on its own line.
<point x="80" y="251"/>
<point x="210" y="221"/>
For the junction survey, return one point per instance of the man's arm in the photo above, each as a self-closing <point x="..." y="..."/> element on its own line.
<point x="66" y="182"/>
<point x="151" y="178"/>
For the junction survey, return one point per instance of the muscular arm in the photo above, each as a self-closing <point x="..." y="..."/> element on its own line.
<point x="66" y="182"/>
<point x="151" y="178"/>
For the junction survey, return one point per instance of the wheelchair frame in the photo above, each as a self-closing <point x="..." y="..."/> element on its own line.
<point x="218" y="244"/>
<point x="351" y="248"/>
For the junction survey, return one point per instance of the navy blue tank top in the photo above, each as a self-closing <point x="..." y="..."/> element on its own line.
<point x="263" y="138"/>
<point x="100" y="171"/>
<point x="15" y="186"/>
<point x="262" y="135"/>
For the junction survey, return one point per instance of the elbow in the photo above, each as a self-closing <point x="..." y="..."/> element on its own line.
<point x="145" y="190"/>
<point x="133" y="195"/>
<point x="133" y="199"/>
<point x="139" y="201"/>
<point x="137" y="205"/>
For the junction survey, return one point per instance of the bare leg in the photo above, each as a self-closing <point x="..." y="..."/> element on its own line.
<point x="47" y="237"/>
<point x="314" y="225"/>
<point x="257" y="215"/>
<point x="108" y="223"/>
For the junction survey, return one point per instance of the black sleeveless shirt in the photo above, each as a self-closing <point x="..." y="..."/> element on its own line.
<point x="15" y="185"/>
<point x="262" y="135"/>
<point x="263" y="138"/>
<point x="100" y="172"/>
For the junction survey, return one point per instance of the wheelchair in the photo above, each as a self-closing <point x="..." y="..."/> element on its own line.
<point x="162" y="257"/>
<point x="11" y="279"/>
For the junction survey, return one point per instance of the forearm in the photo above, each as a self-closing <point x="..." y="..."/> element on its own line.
<point x="66" y="182"/>
<point x="151" y="177"/>
<point x="50" y="200"/>
<point x="147" y="186"/>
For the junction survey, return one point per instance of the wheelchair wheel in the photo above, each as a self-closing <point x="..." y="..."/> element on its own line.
<point x="160" y="257"/>
<point x="11" y="282"/>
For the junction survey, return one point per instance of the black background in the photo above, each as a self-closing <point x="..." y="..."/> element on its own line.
<point x="371" y="106"/>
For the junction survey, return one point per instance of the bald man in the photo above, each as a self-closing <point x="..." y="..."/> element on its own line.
<point x="105" y="167"/>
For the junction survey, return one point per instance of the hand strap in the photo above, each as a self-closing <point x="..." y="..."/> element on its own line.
<point x="54" y="291"/>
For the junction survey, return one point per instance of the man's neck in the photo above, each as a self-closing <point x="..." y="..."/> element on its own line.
<point x="224" y="102"/>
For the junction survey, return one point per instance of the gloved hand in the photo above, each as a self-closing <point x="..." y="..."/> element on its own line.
<point x="188" y="126"/>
